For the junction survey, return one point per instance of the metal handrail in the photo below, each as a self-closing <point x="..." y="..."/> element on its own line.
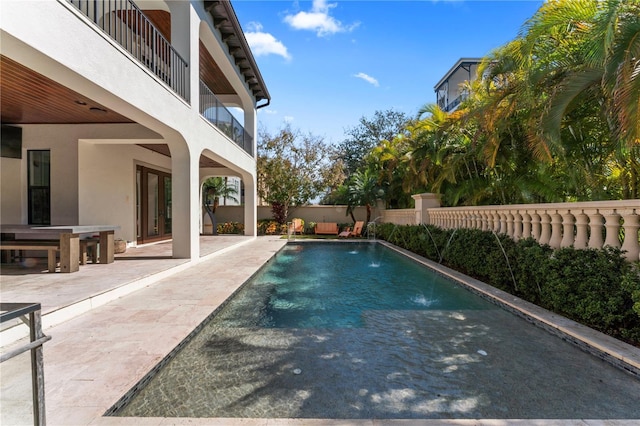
<point x="217" y="114"/>
<point x="37" y="339"/>
<point x="124" y="22"/>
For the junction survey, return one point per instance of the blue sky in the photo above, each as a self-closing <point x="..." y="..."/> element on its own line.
<point x="328" y="63"/>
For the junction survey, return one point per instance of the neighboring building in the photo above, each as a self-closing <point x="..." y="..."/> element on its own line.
<point x="449" y="90"/>
<point x="116" y="112"/>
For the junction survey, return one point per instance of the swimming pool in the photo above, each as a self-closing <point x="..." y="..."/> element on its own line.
<point x="355" y="330"/>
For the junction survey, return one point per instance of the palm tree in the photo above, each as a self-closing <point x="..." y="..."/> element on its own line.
<point x="212" y="189"/>
<point x="364" y="191"/>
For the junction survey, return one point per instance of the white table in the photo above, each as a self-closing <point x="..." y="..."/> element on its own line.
<point x="69" y="236"/>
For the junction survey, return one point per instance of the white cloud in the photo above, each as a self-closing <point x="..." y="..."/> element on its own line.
<point x="268" y="111"/>
<point x="263" y="44"/>
<point x="367" y="78"/>
<point x="318" y="20"/>
<point x="288" y="118"/>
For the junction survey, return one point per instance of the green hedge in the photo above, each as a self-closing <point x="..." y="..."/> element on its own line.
<point x="597" y="288"/>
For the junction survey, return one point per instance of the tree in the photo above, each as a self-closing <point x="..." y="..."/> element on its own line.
<point x="363" y="190"/>
<point x="293" y="168"/>
<point x="384" y="125"/>
<point x="212" y="189"/>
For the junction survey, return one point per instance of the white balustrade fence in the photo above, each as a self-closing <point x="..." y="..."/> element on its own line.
<point x="582" y="225"/>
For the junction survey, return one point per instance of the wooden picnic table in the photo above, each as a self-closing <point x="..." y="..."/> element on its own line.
<point x="69" y="238"/>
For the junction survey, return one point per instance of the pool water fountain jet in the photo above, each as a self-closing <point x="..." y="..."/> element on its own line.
<point x="393" y="231"/>
<point x="432" y="240"/>
<point x="447" y="246"/>
<point x="371" y="229"/>
<point x="515" y="285"/>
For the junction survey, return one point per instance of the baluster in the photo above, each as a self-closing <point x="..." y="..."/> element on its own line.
<point x="582" y="231"/>
<point x="526" y="225"/>
<point x="631" y="226"/>
<point x="545" y="228"/>
<point x="502" y="228"/>
<point x="568" y="236"/>
<point x="509" y="218"/>
<point x="596" y="225"/>
<point x="556" y="230"/>
<point x="476" y="220"/>
<point x="612" y="224"/>
<point x="517" y="225"/>
<point x="496" y="221"/>
<point x="536" y="226"/>
<point x="484" y="221"/>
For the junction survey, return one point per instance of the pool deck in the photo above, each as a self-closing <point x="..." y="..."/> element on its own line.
<point x="111" y="324"/>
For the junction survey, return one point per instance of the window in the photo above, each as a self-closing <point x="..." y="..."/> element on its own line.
<point x="39" y="187"/>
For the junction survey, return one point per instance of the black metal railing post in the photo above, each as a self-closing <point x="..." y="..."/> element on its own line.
<point x="11" y="311"/>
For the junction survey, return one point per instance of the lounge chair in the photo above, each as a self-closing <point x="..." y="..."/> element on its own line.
<point x="346" y="232"/>
<point x="296" y="227"/>
<point x="357" y="230"/>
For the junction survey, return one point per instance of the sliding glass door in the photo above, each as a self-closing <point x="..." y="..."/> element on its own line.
<point x="153" y="205"/>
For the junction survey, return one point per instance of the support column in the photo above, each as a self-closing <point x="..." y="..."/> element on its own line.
<point x="185" y="193"/>
<point x="424" y="202"/>
<point x="250" y="205"/>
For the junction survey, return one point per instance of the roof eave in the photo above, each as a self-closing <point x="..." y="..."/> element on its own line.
<point x="226" y="21"/>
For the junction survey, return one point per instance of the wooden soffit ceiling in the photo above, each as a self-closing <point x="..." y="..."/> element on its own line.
<point x="27" y="97"/>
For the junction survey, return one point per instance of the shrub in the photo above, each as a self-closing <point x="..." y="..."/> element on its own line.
<point x="271" y="227"/>
<point x="230" y="228"/>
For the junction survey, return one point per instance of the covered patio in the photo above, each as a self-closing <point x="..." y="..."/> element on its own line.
<point x="111" y="324"/>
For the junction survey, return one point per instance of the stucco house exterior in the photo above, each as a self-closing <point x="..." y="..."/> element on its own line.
<point x="116" y="112"/>
<point x="449" y="90"/>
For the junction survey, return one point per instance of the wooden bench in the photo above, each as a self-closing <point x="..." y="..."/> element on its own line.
<point x="327" y="228"/>
<point x="50" y="246"/>
<point x="88" y="246"/>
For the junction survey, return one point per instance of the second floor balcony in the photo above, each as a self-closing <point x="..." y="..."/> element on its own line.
<point x="146" y="35"/>
<point x="217" y="114"/>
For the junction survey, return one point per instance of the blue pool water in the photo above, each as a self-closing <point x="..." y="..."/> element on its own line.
<point x="356" y="330"/>
<point x="310" y="286"/>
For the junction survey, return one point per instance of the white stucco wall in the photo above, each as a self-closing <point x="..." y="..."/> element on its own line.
<point x="94" y="180"/>
<point x="107" y="190"/>
<point x="12" y="191"/>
